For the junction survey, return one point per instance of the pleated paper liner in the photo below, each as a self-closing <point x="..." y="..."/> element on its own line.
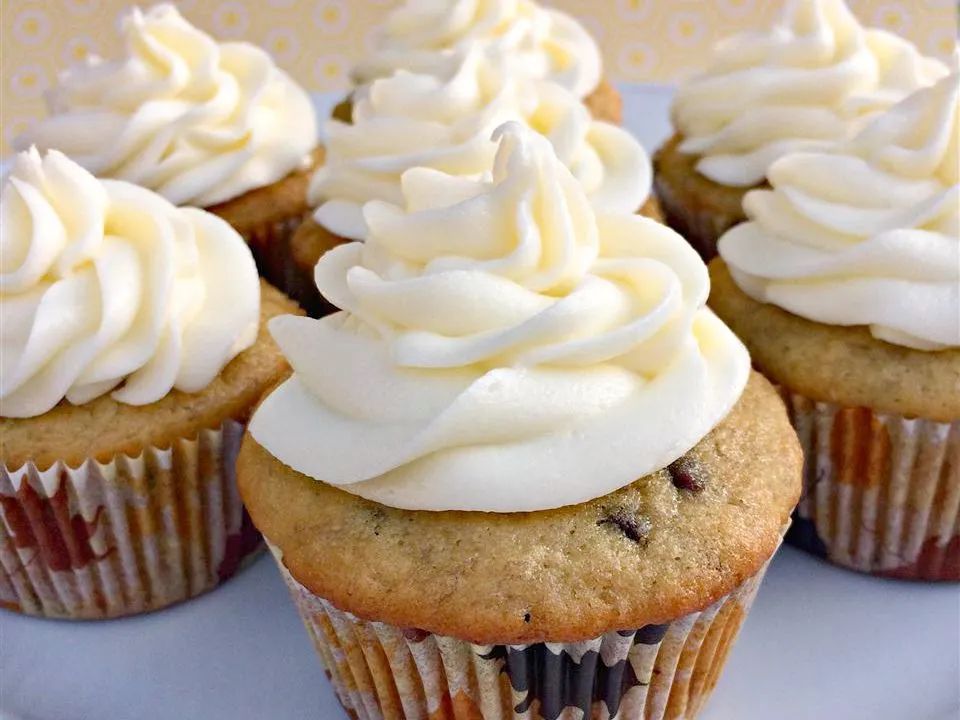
<point x="658" y="672"/>
<point x="128" y="536"/>
<point x="881" y="492"/>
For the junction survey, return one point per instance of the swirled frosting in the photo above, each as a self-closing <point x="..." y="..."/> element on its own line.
<point x="814" y="78"/>
<point x="197" y="121"/>
<point x="107" y="287"/>
<point x="431" y="36"/>
<point x="410" y="120"/>
<point x="501" y="347"/>
<point x="869" y="233"/>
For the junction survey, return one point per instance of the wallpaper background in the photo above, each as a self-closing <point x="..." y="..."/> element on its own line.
<point x="316" y="40"/>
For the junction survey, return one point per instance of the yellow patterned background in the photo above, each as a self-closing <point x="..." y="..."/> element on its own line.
<point x="316" y="40"/>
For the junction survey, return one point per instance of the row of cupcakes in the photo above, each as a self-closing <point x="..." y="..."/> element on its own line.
<point x="524" y="411"/>
<point x="820" y="158"/>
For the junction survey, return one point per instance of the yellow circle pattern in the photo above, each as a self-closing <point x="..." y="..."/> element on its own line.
<point x="317" y="40"/>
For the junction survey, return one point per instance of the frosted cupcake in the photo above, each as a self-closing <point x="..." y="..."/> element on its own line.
<point x="131" y="360"/>
<point x="814" y="78"/>
<point x="845" y="286"/>
<point x="206" y="124"/>
<point x="432" y="38"/>
<point x="524" y="450"/>
<point x="409" y="120"/>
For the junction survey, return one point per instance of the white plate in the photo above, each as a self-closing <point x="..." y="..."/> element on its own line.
<point x="820" y="644"/>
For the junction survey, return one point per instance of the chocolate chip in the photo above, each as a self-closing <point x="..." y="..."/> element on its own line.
<point x="526" y="617"/>
<point x="686" y="474"/>
<point x="634" y="527"/>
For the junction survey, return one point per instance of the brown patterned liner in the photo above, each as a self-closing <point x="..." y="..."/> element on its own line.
<point x="659" y="672"/>
<point x="700" y="227"/>
<point x="127" y="536"/>
<point x="881" y="492"/>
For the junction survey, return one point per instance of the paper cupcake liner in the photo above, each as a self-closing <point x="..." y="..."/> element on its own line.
<point x="382" y="672"/>
<point x="127" y="536"/>
<point x="270" y="245"/>
<point x="881" y="492"/>
<point x="700" y="227"/>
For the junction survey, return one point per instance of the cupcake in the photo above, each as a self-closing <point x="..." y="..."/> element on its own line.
<point x="812" y="79"/>
<point x="845" y="286"/>
<point x="431" y="38"/>
<point x="409" y="120"/>
<point x="131" y="361"/>
<point x="211" y="125"/>
<point x="524" y="470"/>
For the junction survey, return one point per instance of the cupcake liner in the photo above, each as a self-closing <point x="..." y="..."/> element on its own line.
<point x="701" y="227"/>
<point x="270" y="245"/>
<point x="379" y="671"/>
<point x="881" y="491"/>
<point x="126" y="536"/>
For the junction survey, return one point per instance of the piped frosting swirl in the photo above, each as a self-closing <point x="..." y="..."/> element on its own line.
<point x="197" y="121"/>
<point x="105" y="287"/>
<point x="502" y="347"/>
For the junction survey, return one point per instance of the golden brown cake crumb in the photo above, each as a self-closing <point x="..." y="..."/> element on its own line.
<point x="842" y="365"/>
<point x="605" y="103"/>
<point x="693" y="205"/>
<point x="666" y="545"/>
<point x="103" y="428"/>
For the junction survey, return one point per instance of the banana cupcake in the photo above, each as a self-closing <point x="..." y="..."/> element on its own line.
<point x="211" y="125"/>
<point x="524" y="452"/>
<point x="845" y="286"/>
<point x="814" y="78"/>
<point x="409" y="120"/>
<point x="131" y="361"/>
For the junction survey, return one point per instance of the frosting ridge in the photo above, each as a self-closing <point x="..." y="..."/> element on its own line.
<point x="867" y="233"/>
<point x="107" y="287"/>
<point x="197" y="121"/>
<point x="502" y="346"/>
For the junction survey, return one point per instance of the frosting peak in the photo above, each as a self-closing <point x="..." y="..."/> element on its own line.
<point x="107" y="287"/>
<point x="502" y="347"/>
<point x="812" y="79"/>
<point x="431" y="36"/>
<point x="197" y="121"/>
<point x="409" y="120"/>
<point x="867" y="233"/>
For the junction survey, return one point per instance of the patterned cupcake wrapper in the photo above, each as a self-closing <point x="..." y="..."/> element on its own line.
<point x="379" y="671"/>
<point x="270" y="245"/>
<point x="701" y="228"/>
<point x="881" y="492"/>
<point x="127" y="536"/>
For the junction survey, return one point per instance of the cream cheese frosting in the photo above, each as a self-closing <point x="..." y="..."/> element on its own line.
<point x="868" y="233"/>
<point x="197" y="121"/>
<point x="105" y="287"/>
<point x="814" y="78"/>
<point x="413" y="120"/>
<point x="431" y="36"/>
<point x="502" y="346"/>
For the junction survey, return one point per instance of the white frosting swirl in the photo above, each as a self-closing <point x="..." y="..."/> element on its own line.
<point x="868" y="234"/>
<point x="502" y="348"/>
<point x="197" y="121"/>
<point x="106" y="286"/>
<point x="814" y="78"/>
<point x="431" y="36"/>
<point x="410" y="120"/>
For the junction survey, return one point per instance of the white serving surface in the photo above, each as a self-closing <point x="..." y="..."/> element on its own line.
<point x="820" y="644"/>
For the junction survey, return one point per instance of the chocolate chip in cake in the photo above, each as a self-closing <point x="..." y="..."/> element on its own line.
<point x="686" y="474"/>
<point x="634" y="527"/>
